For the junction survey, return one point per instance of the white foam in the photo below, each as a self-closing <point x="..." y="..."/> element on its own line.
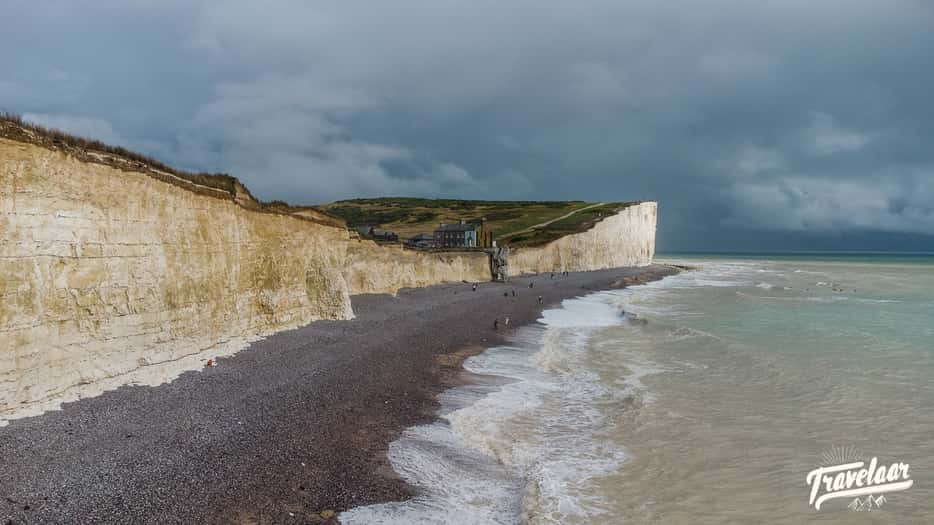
<point x="530" y="448"/>
<point x="589" y="311"/>
<point x="527" y="451"/>
<point x="456" y="484"/>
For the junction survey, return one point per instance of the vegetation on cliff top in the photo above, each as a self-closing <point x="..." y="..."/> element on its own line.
<point x="580" y="221"/>
<point x="13" y="127"/>
<point x="518" y="223"/>
<point x="221" y="185"/>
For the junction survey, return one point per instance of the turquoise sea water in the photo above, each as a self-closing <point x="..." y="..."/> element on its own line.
<point x="706" y="397"/>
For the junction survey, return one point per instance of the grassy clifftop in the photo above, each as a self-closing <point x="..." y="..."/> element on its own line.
<point x="13" y="127"/>
<point x="518" y="223"/>
<point x="219" y="185"/>
<point x="581" y="220"/>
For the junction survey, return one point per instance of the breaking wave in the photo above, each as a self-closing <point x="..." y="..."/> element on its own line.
<point x="522" y="446"/>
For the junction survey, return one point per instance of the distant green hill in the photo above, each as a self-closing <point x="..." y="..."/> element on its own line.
<point x="517" y="223"/>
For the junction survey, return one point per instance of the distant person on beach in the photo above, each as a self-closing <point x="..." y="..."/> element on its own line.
<point x="496" y="324"/>
<point x="475" y="287"/>
<point x="513" y="292"/>
<point x="531" y="285"/>
<point x="506" y="323"/>
<point x="540" y="299"/>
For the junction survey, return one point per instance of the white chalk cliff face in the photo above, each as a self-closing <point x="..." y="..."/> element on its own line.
<point x="625" y="239"/>
<point x="105" y="273"/>
<point x="372" y="268"/>
<point x="110" y="276"/>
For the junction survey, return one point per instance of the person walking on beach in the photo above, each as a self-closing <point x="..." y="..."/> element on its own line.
<point x="496" y="324"/>
<point x="531" y="285"/>
<point x="475" y="287"/>
<point x="540" y="299"/>
<point x="513" y="292"/>
<point x="506" y="323"/>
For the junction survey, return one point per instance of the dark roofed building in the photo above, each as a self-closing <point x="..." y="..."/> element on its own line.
<point x="422" y="240"/>
<point x="384" y="235"/>
<point x="460" y="235"/>
<point x="378" y="235"/>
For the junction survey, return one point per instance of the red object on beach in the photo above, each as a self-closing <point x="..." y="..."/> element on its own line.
<point x="210" y="362"/>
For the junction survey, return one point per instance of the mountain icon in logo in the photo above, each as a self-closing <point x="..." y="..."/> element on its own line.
<point x="867" y="504"/>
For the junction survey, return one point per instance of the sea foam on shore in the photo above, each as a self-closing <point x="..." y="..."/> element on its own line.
<point x="524" y="443"/>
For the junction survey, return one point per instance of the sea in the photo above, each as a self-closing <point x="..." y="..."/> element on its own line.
<point x="705" y="397"/>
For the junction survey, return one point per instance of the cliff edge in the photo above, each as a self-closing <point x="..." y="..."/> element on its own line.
<point x="113" y="271"/>
<point x="624" y="239"/>
<point x="104" y="272"/>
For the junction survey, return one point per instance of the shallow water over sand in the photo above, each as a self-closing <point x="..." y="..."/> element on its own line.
<point x="703" y="398"/>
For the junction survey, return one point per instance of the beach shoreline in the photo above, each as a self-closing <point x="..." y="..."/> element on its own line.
<point x="290" y="430"/>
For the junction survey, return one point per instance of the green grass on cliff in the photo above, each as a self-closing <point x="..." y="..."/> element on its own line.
<point x="222" y="185"/>
<point x="581" y="221"/>
<point x="13" y="127"/>
<point x="517" y="223"/>
<point x="507" y="219"/>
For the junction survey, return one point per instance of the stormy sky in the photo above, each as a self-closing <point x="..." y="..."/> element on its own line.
<point x="786" y="125"/>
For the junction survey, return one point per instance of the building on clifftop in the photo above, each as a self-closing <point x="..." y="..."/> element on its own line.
<point x="460" y="235"/>
<point x="377" y="234"/>
<point x="422" y="240"/>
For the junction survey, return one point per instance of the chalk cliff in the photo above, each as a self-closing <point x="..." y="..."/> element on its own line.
<point x="115" y="274"/>
<point x="624" y="239"/>
<point x="372" y="268"/>
<point x="104" y="272"/>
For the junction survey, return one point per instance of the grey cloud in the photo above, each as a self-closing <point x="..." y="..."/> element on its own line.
<point x="743" y="118"/>
<point x="91" y="127"/>
<point x="826" y="138"/>
<point x="800" y="203"/>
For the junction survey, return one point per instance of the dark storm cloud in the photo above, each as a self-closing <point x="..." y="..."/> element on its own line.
<point x="800" y="122"/>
